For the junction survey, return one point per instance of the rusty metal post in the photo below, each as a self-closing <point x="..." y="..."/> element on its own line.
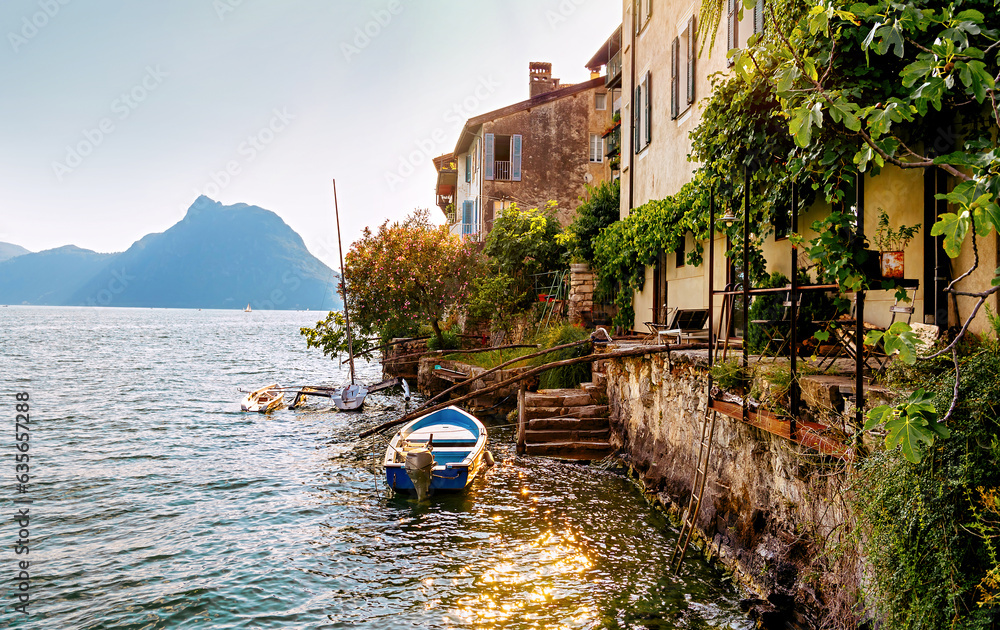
<point x="793" y="337"/>
<point x="520" y="419"/>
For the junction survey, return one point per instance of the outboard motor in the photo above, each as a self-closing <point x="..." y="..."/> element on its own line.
<point x="419" y="467"/>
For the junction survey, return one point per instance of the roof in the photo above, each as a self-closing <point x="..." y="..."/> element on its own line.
<point x="465" y="138"/>
<point x="607" y="50"/>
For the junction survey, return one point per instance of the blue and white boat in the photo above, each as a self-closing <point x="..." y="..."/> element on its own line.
<point x="441" y="451"/>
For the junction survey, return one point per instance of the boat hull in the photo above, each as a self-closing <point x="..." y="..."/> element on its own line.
<point x="459" y="447"/>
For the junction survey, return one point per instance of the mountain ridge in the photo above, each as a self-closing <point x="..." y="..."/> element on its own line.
<point x="217" y="256"/>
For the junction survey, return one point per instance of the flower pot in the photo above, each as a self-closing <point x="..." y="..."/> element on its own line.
<point x="892" y="264"/>
<point x="580" y="267"/>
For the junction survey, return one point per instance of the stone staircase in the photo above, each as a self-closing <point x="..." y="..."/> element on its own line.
<point x="567" y="423"/>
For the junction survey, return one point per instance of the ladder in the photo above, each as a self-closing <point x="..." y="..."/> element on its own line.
<point x="554" y="291"/>
<point x="690" y="516"/>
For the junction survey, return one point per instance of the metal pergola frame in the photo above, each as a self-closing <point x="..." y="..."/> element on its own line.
<point x="795" y="291"/>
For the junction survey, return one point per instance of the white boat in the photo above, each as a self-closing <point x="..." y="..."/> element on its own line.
<point x="443" y="450"/>
<point x="248" y="309"/>
<point x="264" y="400"/>
<point x="350" y="398"/>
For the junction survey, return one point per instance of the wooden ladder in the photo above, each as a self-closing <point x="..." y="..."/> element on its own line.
<point x="690" y="516"/>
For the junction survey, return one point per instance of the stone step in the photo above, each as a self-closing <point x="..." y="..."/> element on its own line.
<point x="567" y="424"/>
<point x="571" y="450"/>
<point x="558" y="398"/>
<point x="588" y="411"/>
<point x="562" y="435"/>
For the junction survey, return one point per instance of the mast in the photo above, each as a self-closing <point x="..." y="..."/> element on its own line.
<point x="343" y="284"/>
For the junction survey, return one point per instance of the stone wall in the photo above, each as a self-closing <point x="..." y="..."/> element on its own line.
<point x="772" y="511"/>
<point x="581" y="294"/>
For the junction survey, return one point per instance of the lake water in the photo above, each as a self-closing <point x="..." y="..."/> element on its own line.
<point x="158" y="504"/>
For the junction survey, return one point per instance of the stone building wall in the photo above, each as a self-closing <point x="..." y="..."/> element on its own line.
<point x="773" y="511"/>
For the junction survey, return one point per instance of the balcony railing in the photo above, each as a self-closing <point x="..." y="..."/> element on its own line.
<point x="613" y="143"/>
<point x="613" y="78"/>
<point x="501" y="170"/>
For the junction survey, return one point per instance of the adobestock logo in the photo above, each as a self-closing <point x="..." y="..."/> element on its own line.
<point x="31" y="26"/>
<point x="122" y="107"/>
<point x="248" y="150"/>
<point x="363" y="35"/>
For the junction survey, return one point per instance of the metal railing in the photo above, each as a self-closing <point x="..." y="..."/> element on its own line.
<point x="501" y="170"/>
<point x="614" y="69"/>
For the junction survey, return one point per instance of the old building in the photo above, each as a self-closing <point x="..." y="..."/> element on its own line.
<point x="659" y="45"/>
<point x="548" y="147"/>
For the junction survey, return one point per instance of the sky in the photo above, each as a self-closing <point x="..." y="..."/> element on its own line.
<point x="116" y="115"/>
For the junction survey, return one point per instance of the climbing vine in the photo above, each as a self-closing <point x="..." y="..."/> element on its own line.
<point x="626" y="247"/>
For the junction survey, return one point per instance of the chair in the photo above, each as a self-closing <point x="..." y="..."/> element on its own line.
<point x="778" y="330"/>
<point x="686" y="324"/>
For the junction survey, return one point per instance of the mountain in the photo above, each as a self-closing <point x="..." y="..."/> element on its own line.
<point x="49" y="277"/>
<point x="215" y="257"/>
<point x="10" y="250"/>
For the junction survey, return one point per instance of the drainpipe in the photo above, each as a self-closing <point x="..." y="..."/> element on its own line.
<point x="631" y="95"/>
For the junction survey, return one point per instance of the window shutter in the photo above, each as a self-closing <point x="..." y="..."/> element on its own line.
<point x="515" y="158"/>
<point x="675" y="53"/>
<point x="690" y="61"/>
<point x="648" y="108"/>
<point x="467" y="217"/>
<point x="468" y="167"/>
<point x="636" y="20"/>
<point x="488" y="160"/>
<point x="475" y="217"/>
<point x="732" y="26"/>
<point x="636" y="109"/>
<point x="758" y="17"/>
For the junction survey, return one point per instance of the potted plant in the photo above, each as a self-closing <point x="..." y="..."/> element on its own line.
<point x="891" y="244"/>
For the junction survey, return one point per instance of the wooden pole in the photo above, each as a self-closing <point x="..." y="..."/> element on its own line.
<point x="498" y="368"/>
<point x="343" y="283"/>
<point x="617" y="354"/>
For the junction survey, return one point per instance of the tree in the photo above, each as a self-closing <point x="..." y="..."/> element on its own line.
<point x="407" y="273"/>
<point x="523" y="243"/>
<point x="600" y="208"/>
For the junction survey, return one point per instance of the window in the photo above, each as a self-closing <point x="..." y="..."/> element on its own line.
<point x="741" y="25"/>
<point x="596" y="148"/>
<point x="468" y="167"/>
<point x="502" y="157"/>
<point x="682" y="74"/>
<point x="600" y="102"/>
<point x="680" y="252"/>
<point x="642" y="124"/>
<point x="642" y="10"/>
<point x="732" y="26"/>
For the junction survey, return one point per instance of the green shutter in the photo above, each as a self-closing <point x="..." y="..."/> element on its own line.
<point x="488" y="159"/>
<point x="468" y="167"/>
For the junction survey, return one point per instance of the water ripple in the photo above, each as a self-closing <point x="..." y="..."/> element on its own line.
<point x="159" y="505"/>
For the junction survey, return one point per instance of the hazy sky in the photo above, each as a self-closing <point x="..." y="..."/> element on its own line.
<point x="116" y="114"/>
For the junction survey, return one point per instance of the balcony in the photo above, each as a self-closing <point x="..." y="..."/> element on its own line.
<point x="613" y="76"/>
<point x="613" y="142"/>
<point x="501" y="170"/>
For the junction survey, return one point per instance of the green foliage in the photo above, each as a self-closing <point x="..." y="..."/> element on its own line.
<point x="766" y="306"/>
<point x="730" y="375"/>
<point x="330" y="336"/>
<point x="406" y="273"/>
<point x="448" y="341"/>
<point x="523" y="243"/>
<point x="497" y="299"/>
<point x="911" y="425"/>
<point x="624" y="248"/>
<point x="890" y="240"/>
<point x="599" y="209"/>
<point x="920" y="525"/>
<point x="565" y="377"/>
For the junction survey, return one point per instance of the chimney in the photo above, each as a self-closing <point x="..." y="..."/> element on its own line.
<point x="540" y="78"/>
